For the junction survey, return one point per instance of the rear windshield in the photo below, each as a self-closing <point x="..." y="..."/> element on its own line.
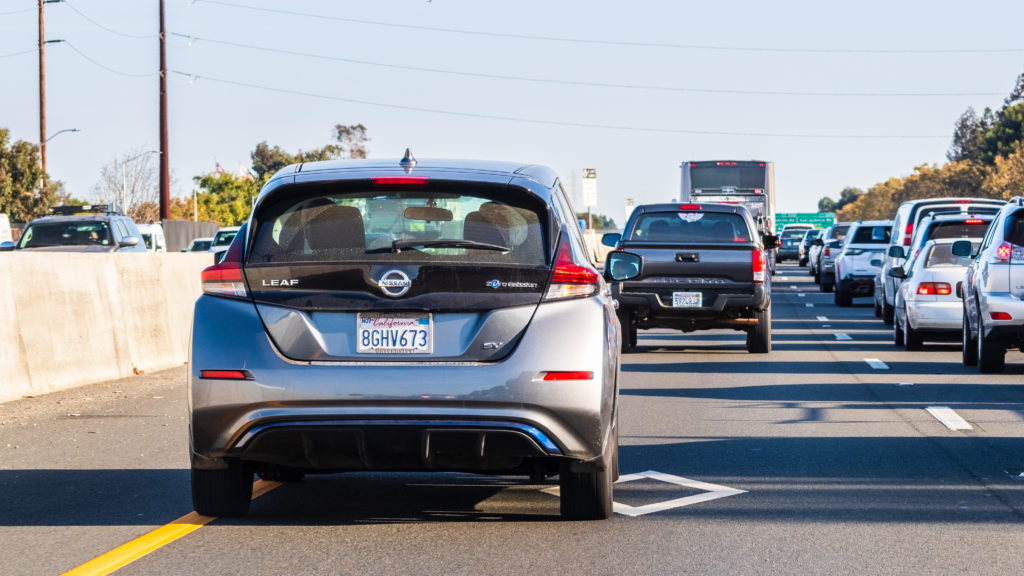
<point x="839" y="232"/>
<point x="79" y="233"/>
<point x="872" y="235"/>
<point x="401" y="225"/>
<point x="224" y="237"/>
<point x="941" y="256"/>
<point x="791" y="234"/>
<point x="691" y="227"/>
<point x="957" y="230"/>
<point x="1015" y="228"/>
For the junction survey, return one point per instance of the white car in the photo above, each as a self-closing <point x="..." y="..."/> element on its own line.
<point x="860" y="259"/>
<point x="927" y="306"/>
<point x="222" y="239"/>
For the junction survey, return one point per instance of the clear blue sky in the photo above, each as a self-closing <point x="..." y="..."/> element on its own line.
<point x="629" y="88"/>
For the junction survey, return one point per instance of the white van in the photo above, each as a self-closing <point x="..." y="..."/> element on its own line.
<point x="153" y="236"/>
<point x="5" y="229"/>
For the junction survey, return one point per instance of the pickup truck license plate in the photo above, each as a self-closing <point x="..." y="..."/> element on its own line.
<point x="687" y="299"/>
<point x="394" y="333"/>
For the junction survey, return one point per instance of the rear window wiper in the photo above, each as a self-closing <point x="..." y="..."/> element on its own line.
<point x="398" y="245"/>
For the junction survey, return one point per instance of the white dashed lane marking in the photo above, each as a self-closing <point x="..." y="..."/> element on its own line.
<point x="841" y="336"/>
<point x="876" y="364"/>
<point x="949" y="418"/>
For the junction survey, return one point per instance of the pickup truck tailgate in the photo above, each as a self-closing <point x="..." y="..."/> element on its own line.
<point x="677" y="275"/>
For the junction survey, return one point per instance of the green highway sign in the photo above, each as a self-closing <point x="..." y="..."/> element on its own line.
<point x="816" y="219"/>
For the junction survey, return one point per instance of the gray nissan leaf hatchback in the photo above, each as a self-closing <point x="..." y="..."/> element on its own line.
<point x="407" y="316"/>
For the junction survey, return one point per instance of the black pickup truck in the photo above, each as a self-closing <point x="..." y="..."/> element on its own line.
<point x="691" y="267"/>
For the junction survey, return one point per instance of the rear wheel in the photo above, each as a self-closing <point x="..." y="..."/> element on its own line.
<point x="970" y="345"/>
<point x="912" y="339"/>
<point x="224" y="493"/>
<point x="842" y="298"/>
<point x="878" y="309"/>
<point x="628" y="329"/>
<point x="827" y="282"/>
<point x="897" y="333"/>
<point x="586" y="494"/>
<point x="887" y="310"/>
<point x="759" y="338"/>
<point x="991" y="353"/>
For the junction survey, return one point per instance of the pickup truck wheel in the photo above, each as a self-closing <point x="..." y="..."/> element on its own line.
<point x="759" y="338"/>
<point x="912" y="339"/>
<point x="991" y="353"/>
<point x="224" y="493"/>
<point x="970" y="345"/>
<point x="628" y="330"/>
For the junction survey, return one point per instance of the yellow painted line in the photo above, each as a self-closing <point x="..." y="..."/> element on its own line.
<point x="130" y="552"/>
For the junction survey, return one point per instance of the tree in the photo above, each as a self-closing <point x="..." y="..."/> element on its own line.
<point x="967" y="137"/>
<point x="600" y="221"/>
<point x="1006" y="179"/>
<point x="847" y="196"/>
<point x="139" y="197"/>
<point x="353" y="138"/>
<point x="25" y="190"/>
<point x="267" y="160"/>
<point x="226" y="198"/>
<point x="826" y="204"/>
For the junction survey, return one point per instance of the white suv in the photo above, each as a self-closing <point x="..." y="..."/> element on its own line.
<point x="993" y="291"/>
<point x="860" y="260"/>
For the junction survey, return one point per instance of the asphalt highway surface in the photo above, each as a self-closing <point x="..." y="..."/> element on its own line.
<point x="838" y="453"/>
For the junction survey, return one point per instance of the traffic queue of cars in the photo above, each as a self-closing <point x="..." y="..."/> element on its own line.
<point x="942" y="269"/>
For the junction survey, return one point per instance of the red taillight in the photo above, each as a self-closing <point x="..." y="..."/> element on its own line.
<point x="963" y="201"/>
<point x="400" y="180"/>
<point x="826" y="251"/>
<point x="909" y="233"/>
<point x="225" y="374"/>
<point x="225" y="278"/>
<point x="1003" y="253"/>
<point x="690" y="207"/>
<point x="933" y="288"/>
<point x="758" y="265"/>
<point x="578" y="375"/>
<point x="1000" y="316"/>
<point x="570" y="280"/>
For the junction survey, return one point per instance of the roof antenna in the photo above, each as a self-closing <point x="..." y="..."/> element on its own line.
<point x="408" y="162"/>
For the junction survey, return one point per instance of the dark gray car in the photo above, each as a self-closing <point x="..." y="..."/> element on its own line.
<point x="439" y="315"/>
<point x="99" y="228"/>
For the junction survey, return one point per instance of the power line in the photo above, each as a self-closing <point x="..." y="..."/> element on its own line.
<point x="619" y="42"/>
<point x="13" y="12"/>
<point x="98" y="25"/>
<point x="12" y="54"/>
<point x="193" y="39"/>
<point x="194" y="77"/>
<point x="105" y="67"/>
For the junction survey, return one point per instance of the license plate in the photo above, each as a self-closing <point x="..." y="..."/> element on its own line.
<point x="687" y="299"/>
<point x="394" y="333"/>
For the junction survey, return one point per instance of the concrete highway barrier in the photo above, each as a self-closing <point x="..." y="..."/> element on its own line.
<point x="68" y="319"/>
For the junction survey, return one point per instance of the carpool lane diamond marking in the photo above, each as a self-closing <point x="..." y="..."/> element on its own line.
<point x="712" y="492"/>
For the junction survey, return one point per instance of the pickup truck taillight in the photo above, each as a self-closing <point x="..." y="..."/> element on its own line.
<point x="758" y="264"/>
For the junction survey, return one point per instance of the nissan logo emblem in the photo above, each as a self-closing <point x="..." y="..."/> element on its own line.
<point x="394" y="283"/>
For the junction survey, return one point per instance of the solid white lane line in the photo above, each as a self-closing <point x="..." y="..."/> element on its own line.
<point x="876" y="364"/>
<point x="822" y="318"/>
<point x="841" y="336"/>
<point x="949" y="418"/>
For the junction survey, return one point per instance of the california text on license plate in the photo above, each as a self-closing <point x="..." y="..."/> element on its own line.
<point x="394" y="333"/>
<point x="687" y="299"/>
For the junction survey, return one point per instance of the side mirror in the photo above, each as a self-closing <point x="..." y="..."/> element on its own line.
<point x="6" y="246"/>
<point x="963" y="249"/>
<point x="622" y="266"/>
<point x="960" y="289"/>
<point x="817" y="242"/>
<point x="611" y="239"/>
<point x="770" y="241"/>
<point x="128" y="241"/>
<point x="897" y="272"/>
<point x="897" y="252"/>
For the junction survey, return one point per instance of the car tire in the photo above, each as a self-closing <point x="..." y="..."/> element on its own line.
<point x="587" y="494"/>
<point x="897" y="333"/>
<point x="912" y="339"/>
<point x="628" y="330"/>
<point x="827" y="283"/>
<point x="759" y="338"/>
<point x="842" y="299"/>
<point x="970" y="345"/>
<point x="887" y="311"/>
<point x="222" y="493"/>
<point x="991" y="353"/>
<point x="810" y="270"/>
<point x="878" y="309"/>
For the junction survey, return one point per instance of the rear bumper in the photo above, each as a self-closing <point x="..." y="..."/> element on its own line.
<point x="935" y="316"/>
<point x="722" y="309"/>
<point x="858" y="285"/>
<point x="402" y="415"/>
<point x="1012" y="331"/>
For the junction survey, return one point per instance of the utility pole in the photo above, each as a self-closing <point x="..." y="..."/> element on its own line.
<point x="42" y="93"/>
<point x="165" y="175"/>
